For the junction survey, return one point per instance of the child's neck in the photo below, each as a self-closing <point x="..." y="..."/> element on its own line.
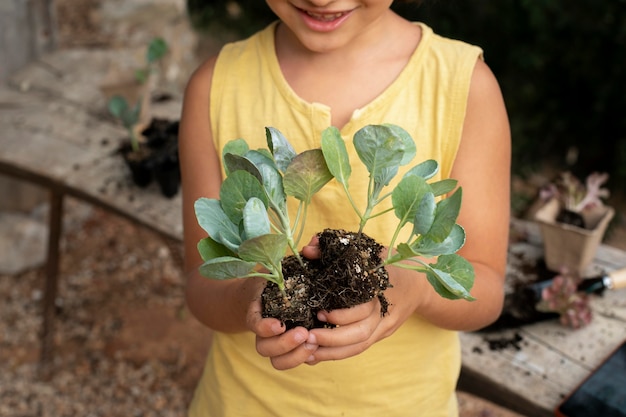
<point x="349" y="79"/>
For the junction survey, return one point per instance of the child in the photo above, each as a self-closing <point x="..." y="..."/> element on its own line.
<point x="347" y="63"/>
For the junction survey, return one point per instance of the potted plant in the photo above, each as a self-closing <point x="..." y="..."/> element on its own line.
<point x="151" y="153"/>
<point x="249" y="226"/>
<point x="152" y="148"/>
<point x="162" y="140"/>
<point x="573" y="221"/>
<point x="134" y="152"/>
<point x="135" y="86"/>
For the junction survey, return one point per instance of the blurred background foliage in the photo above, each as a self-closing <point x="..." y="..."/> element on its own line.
<point x="561" y="65"/>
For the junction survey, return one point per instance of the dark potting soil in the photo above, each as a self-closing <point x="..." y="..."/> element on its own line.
<point x="347" y="274"/>
<point x="520" y="304"/>
<point x="571" y="217"/>
<point x="157" y="158"/>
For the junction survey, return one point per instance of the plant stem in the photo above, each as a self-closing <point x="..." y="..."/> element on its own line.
<point x="134" y="142"/>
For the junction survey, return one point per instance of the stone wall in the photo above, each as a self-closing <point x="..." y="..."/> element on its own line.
<point x="27" y="29"/>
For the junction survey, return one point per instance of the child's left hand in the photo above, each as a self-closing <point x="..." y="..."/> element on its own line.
<point x="361" y="326"/>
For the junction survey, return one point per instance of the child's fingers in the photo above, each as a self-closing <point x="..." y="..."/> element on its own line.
<point x="286" y="350"/>
<point x="354" y="314"/>
<point x="312" y="249"/>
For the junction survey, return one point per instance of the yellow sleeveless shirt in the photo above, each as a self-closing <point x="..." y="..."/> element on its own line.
<point x="414" y="371"/>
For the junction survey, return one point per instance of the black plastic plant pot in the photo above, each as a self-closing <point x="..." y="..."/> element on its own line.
<point x="140" y="169"/>
<point x="167" y="175"/>
<point x="141" y="175"/>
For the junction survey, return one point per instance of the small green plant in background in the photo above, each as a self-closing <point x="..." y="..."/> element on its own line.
<point x="157" y="48"/>
<point x="249" y="224"/>
<point x="129" y="116"/>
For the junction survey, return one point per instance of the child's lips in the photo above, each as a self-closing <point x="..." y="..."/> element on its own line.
<point x="325" y="17"/>
<point x="324" y="21"/>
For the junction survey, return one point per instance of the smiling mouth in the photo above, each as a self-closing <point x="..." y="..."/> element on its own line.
<point x="324" y="17"/>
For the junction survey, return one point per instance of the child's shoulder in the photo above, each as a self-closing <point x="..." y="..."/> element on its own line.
<point x="446" y="44"/>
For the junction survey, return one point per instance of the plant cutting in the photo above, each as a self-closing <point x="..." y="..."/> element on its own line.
<point x="573" y="221"/>
<point x="250" y="230"/>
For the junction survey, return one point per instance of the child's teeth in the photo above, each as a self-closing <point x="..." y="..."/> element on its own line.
<point x="325" y="17"/>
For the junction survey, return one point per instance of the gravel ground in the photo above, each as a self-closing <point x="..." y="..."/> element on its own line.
<point x="124" y="343"/>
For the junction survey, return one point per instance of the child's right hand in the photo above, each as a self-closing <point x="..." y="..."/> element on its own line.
<point x="285" y="349"/>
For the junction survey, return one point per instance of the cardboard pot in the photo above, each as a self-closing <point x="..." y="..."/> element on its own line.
<point x="568" y="246"/>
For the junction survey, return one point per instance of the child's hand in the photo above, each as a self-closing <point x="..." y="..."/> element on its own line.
<point x="286" y="349"/>
<point x="312" y="249"/>
<point x="361" y="326"/>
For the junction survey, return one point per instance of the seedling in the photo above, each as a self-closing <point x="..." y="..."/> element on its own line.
<point x="157" y="48"/>
<point x="434" y="232"/>
<point x="249" y="225"/>
<point x="119" y="105"/>
<point x="129" y="116"/>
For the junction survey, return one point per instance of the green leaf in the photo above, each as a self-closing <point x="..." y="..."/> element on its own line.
<point x="306" y="175"/>
<point x="452" y="277"/>
<point x="234" y="163"/>
<point x="406" y="197"/>
<point x="407" y="140"/>
<point x="271" y="178"/>
<point x="280" y="147"/>
<point x="268" y="249"/>
<point x="445" y="216"/>
<point x="451" y="244"/>
<point x="255" y="219"/>
<point x="260" y="158"/>
<point x="230" y="240"/>
<point x="209" y="249"/>
<point x="239" y="187"/>
<point x="215" y="222"/>
<point x="404" y="252"/>
<point x="443" y="187"/>
<point x="426" y="169"/>
<point x="336" y="155"/>
<point x="119" y="107"/>
<point x="141" y="75"/>
<point x="156" y="50"/>
<point x="226" y="267"/>
<point x="425" y="215"/>
<point x="380" y="150"/>
<point x="236" y="147"/>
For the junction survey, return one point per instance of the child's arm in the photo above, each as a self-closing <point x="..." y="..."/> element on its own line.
<point x="232" y="305"/>
<point x="482" y="167"/>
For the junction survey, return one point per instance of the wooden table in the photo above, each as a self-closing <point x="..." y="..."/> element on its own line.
<point x="51" y="139"/>
<point x="56" y="134"/>
<point x="551" y="360"/>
